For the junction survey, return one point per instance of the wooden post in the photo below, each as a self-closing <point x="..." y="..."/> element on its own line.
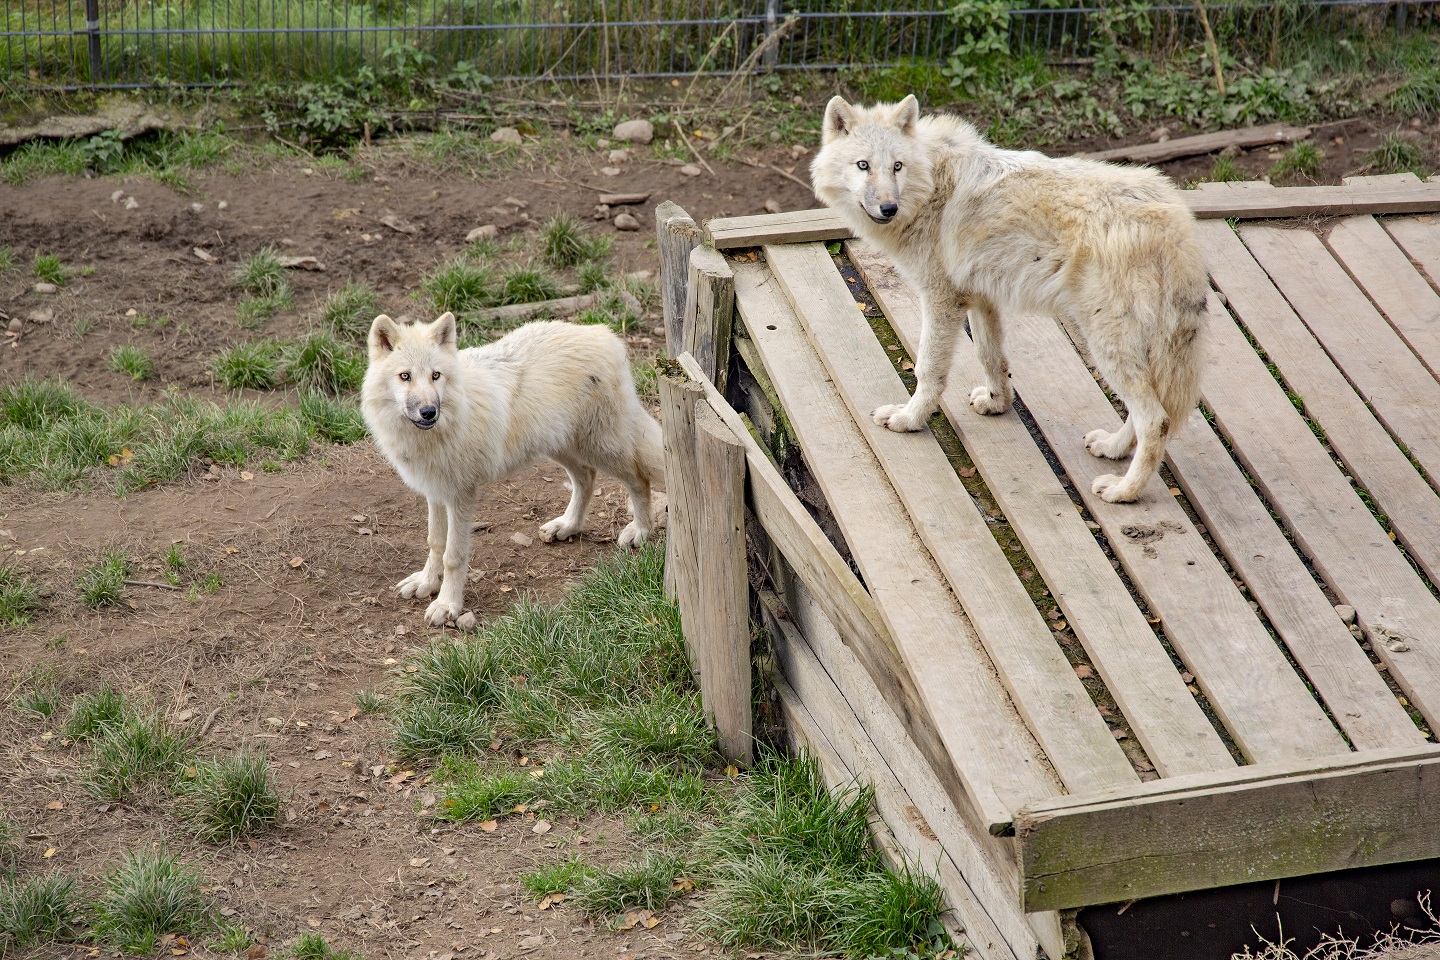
<point x="719" y="625"/>
<point x="710" y="312"/>
<point x="677" y="417"/>
<point x="675" y="236"/>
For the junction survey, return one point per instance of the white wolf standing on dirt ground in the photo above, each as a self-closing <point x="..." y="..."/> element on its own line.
<point x="972" y="227"/>
<point x="449" y="420"/>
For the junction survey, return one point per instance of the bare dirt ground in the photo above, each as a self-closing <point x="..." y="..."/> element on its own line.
<point x="306" y="556"/>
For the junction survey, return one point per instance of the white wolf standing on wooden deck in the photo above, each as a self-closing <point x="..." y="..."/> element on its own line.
<point x="449" y="420"/>
<point x="976" y="228"/>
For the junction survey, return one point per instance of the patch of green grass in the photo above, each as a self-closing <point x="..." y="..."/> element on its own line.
<point x="318" y="362"/>
<point x="19" y="598"/>
<point x="254" y="309"/>
<point x="102" y="584"/>
<point x="142" y="753"/>
<point x="7" y="259"/>
<point x="527" y="283"/>
<point x="1397" y="153"/>
<point x="93" y="714"/>
<point x="1223" y="170"/>
<point x="39" y="694"/>
<point x="349" y="311"/>
<point x="461" y="674"/>
<point x="459" y="286"/>
<point x="230" y="797"/>
<point x="666" y="728"/>
<point x="1419" y="95"/>
<point x="1301" y="161"/>
<point x="38" y="404"/>
<point x="557" y="878"/>
<point x="252" y="366"/>
<point x="38" y="911"/>
<point x="646" y="884"/>
<point x="261" y="274"/>
<point x="312" y="946"/>
<point x="592" y="277"/>
<point x="479" y="794"/>
<point x="423" y="730"/>
<point x="175" y="564"/>
<point x="332" y="420"/>
<point x="369" y="700"/>
<point x="564" y="243"/>
<point x="149" y="894"/>
<point x="47" y="268"/>
<point x="230" y="938"/>
<point x="646" y="382"/>
<point x="133" y="362"/>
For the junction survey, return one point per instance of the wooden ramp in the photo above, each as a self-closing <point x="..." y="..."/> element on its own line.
<point x="1063" y="702"/>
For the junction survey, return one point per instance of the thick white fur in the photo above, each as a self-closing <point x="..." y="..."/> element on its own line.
<point x="549" y="389"/>
<point x="988" y="231"/>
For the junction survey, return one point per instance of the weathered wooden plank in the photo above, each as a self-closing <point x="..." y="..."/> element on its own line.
<point x="722" y="620"/>
<point x="797" y="226"/>
<point x="675" y="236"/>
<point x="677" y="422"/>
<point x="854" y="719"/>
<point x="1245" y="398"/>
<point x="1386" y="274"/>
<point x="710" y="313"/>
<point x="1420" y="239"/>
<point x="1244" y="137"/>
<point x="1359" y="810"/>
<point x="1229" y="186"/>
<point x="1137" y="671"/>
<point x="1380" y="179"/>
<point x="1261" y="700"/>
<point x="1382" y="369"/>
<point x="847" y="604"/>
<point x="992" y="749"/>
<point x="1041" y="682"/>
<point x="1356" y="436"/>
<point x="1328" y="520"/>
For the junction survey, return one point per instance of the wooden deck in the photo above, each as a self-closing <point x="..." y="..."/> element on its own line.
<point x="1194" y="712"/>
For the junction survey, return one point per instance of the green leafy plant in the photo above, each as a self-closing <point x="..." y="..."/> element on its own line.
<point x="230" y="797"/>
<point x="19" y="598"/>
<point x="349" y="311"/>
<point x="1301" y="161"/>
<point x="133" y="362"/>
<point x="564" y="243"/>
<point x="48" y="268"/>
<point x="148" y="894"/>
<point x="103" y="584"/>
<point x="252" y="366"/>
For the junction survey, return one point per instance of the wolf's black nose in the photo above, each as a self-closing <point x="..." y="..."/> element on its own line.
<point x="428" y="414"/>
<point x="889" y="209"/>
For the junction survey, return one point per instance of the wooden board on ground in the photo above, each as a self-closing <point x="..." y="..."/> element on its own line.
<point x="995" y="755"/>
<point x="1245" y="137"/>
<point x="1259" y="823"/>
<point x="1246" y="399"/>
<point x="1248" y="681"/>
<point x="1386" y="274"/>
<point x="1420" y="239"/>
<point x="1361" y="441"/>
<point x="1165" y="718"/>
<point x="799" y="226"/>
<point x="1041" y="682"/>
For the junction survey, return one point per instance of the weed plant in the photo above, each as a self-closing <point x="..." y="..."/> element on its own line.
<point x="94" y="714"/>
<point x="320" y="363"/>
<point x="7" y="259"/>
<point x="37" y="911"/>
<point x="47" y="268"/>
<point x="1223" y="170"/>
<point x="348" y="312"/>
<point x="330" y="419"/>
<point x="230" y="797"/>
<point x="149" y="894"/>
<point x="133" y="362"/>
<point x="527" y="283"/>
<point x="141" y="754"/>
<point x="648" y="883"/>
<point x="39" y="694"/>
<point x="312" y="946"/>
<point x="557" y="877"/>
<point x="592" y="277"/>
<point x="1300" y="162"/>
<point x="564" y="243"/>
<point x="19" y="598"/>
<point x="102" y="584"/>
<point x="1396" y="153"/>
<point x="459" y="286"/>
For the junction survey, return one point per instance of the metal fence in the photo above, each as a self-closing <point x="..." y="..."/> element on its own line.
<point x="72" y="44"/>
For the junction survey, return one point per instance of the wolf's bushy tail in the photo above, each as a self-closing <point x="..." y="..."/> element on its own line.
<point x="1176" y="363"/>
<point x="650" y="452"/>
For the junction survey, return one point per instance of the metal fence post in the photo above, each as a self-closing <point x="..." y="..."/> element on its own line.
<point x="772" y="23"/>
<point x="92" y="31"/>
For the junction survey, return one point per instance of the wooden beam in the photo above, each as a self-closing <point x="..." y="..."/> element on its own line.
<point x="710" y="313"/>
<point x="1259" y="823"/>
<point x="806" y="226"/>
<point x="677" y="421"/>
<point x="720" y="624"/>
<point x="675" y="236"/>
<point x="1243" y="138"/>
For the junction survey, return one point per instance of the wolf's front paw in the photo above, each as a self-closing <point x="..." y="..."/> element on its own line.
<point x="1111" y="489"/>
<point x="988" y="403"/>
<point x="441" y="612"/>
<point x="558" y="529"/>
<point x="418" y="585"/>
<point x="1108" y="446"/>
<point x="634" y="535"/>
<point x="898" y="417"/>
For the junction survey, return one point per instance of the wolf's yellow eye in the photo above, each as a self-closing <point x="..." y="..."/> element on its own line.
<point x="898" y="165"/>
<point x="405" y="376"/>
<point x="863" y="164"/>
<point x="435" y="375"/>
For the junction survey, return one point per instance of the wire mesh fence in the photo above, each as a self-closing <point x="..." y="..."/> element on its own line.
<point x="140" y="43"/>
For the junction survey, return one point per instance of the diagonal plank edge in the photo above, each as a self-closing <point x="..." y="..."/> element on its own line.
<point x="1041" y="682"/>
<point x="1261" y="700"/>
<point x="1144" y="681"/>
<point x="990" y="745"/>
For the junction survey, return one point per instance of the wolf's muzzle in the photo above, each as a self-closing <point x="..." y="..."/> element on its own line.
<point x="428" y="417"/>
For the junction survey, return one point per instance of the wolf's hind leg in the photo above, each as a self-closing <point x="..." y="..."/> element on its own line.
<point x="939" y="326"/>
<point x="994" y="395"/>
<point x="1150" y="426"/>
<point x="424" y="582"/>
<point x="447" y="606"/>
<point x="1112" y="446"/>
<point x="572" y="521"/>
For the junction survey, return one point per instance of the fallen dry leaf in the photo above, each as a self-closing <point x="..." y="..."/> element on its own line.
<point x="541" y="827"/>
<point x="205" y="255"/>
<point x="55" y="805"/>
<point x="50" y="853"/>
<point x="1084" y="672"/>
<point x="398" y="225"/>
<point x="682" y="885"/>
<point x="419" y="861"/>
<point x="256" y="952"/>
<point x="489" y="826"/>
<point x="967" y="472"/>
<point x="246" y="475"/>
<point x="296" y="561"/>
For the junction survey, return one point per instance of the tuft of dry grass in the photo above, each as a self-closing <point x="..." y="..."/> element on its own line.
<point x="1418" y="945"/>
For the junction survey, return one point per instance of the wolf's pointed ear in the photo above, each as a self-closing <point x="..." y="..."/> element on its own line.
<point x="907" y="114"/>
<point x="384" y="334"/>
<point x="839" y="118"/>
<point x="443" y="329"/>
